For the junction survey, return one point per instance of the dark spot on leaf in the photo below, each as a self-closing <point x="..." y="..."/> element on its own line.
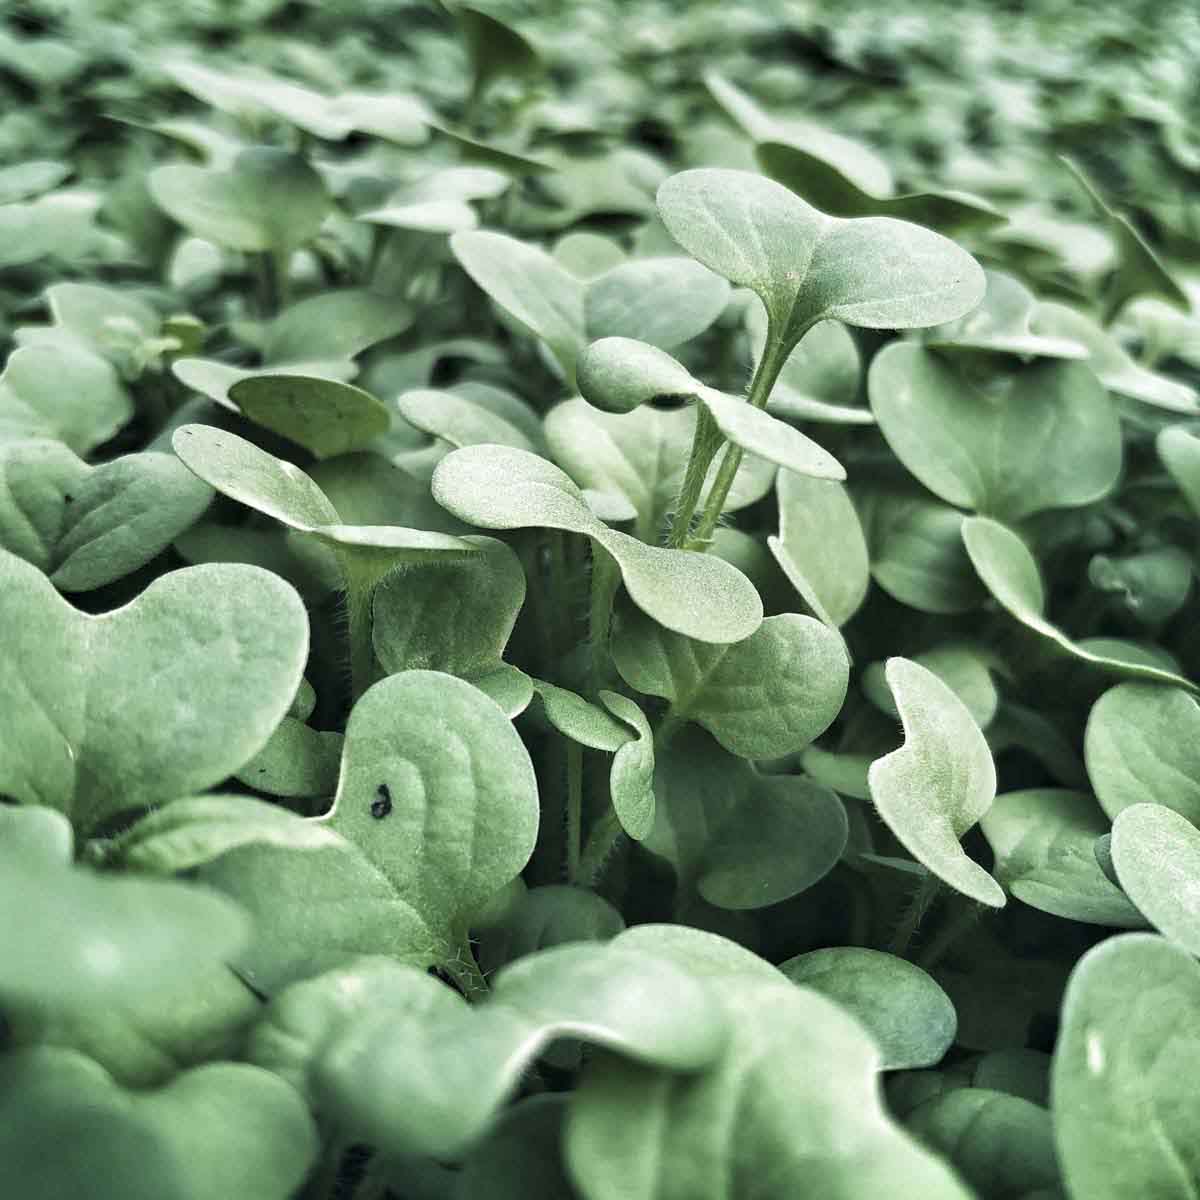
<point x="382" y="804"/>
<point x="68" y="497"/>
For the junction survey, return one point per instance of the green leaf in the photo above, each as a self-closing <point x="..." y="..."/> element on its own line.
<point x="438" y="793"/>
<point x="161" y="698"/>
<point x="225" y="1129"/>
<point x="266" y="200"/>
<point x="410" y="1084"/>
<point x="61" y="392"/>
<point x="984" y="449"/>
<point x="1129" y="1044"/>
<point x="101" y="940"/>
<point x="641" y="456"/>
<point x="618" y="374"/>
<point x="1179" y="450"/>
<point x="86" y="526"/>
<point x="916" y="551"/>
<point x="327" y="418"/>
<point x="454" y="617"/>
<point x="964" y="667"/>
<point x="792" y="1051"/>
<point x="496" y="49"/>
<point x="764" y="697"/>
<point x="1112" y="365"/>
<point x="1002" y="1145"/>
<point x="296" y="761"/>
<point x="498" y="487"/>
<point x="240" y="470"/>
<point x="1043" y="840"/>
<point x="579" y="719"/>
<point x="805" y="267"/>
<point x="215" y="379"/>
<point x="193" y="831"/>
<point x="1010" y="572"/>
<point x="904" y="1010"/>
<point x="529" y="285"/>
<point x="809" y="173"/>
<point x="334" y="325"/>
<point x="821" y="547"/>
<point x="662" y="301"/>
<point x="631" y="780"/>
<point x="703" y="954"/>
<point x="30" y="178"/>
<point x="36" y="835"/>
<point x="741" y="839"/>
<point x="520" y="1158"/>
<point x="939" y="783"/>
<point x="461" y="420"/>
<point x="1003" y="324"/>
<point x="1156" y="853"/>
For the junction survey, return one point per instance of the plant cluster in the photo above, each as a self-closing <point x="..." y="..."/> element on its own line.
<point x="598" y="604"/>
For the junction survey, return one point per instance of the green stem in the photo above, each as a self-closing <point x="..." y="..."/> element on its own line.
<point x="605" y="578"/>
<point x="574" y="808"/>
<point x="601" y="845"/>
<point x="268" y="284"/>
<point x="948" y="934"/>
<point x="560" y="596"/>
<point x="911" y="919"/>
<point x="775" y="354"/>
<point x="670" y="725"/>
<point x="706" y="441"/>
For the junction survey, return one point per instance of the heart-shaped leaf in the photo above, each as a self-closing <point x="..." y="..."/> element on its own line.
<point x="821" y="547"/>
<point x="266" y="200"/>
<point x="431" y="1084"/>
<point x="1010" y="572"/>
<point x="793" y="1051"/>
<point x="457" y="618"/>
<point x="1155" y="852"/>
<point x="1044" y="840"/>
<point x="939" y="783"/>
<point x="983" y="449"/>
<point x="805" y="266"/>
<point x="741" y="839"/>
<point x="498" y="487"/>
<point x="763" y="697"/>
<point x="61" y="392"/>
<point x="904" y="1010"/>
<point x="324" y="416"/>
<point x="225" y="1129"/>
<point x="159" y="699"/>
<point x="86" y="526"/>
<point x="1128" y="1046"/>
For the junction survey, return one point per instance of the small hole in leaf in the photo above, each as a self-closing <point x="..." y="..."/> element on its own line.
<point x="68" y="497"/>
<point x="382" y="804"/>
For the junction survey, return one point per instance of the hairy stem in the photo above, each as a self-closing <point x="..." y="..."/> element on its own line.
<point x="912" y="916"/>
<point x="605" y="578"/>
<point x="602" y="844"/>
<point x="775" y="354"/>
<point x="574" y="808"/>
<point x="951" y="930"/>
<point x="706" y="441"/>
<point x="465" y="972"/>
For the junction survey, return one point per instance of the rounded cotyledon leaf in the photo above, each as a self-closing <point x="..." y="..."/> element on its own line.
<point x="1125" y="1110"/>
<point x="164" y="697"/>
<point x="903" y="1008"/>
<point x="215" y="379"/>
<point x="631" y="779"/>
<point x="618" y="374"/>
<point x="939" y="783"/>
<point x="1156" y="853"/>
<point x="1044" y="842"/>
<point x="438" y="792"/>
<point x="1009" y="571"/>
<point x="103" y="940"/>
<point x="1142" y="745"/>
<point x="430" y="1083"/>
<point x="86" y="526"/>
<point x="763" y="697"/>
<point x="733" y="1131"/>
<point x="223" y="1129"/>
<point x="499" y="487"/>
<point x="987" y="449"/>
<point x="875" y="272"/>
<point x="324" y="416"/>
<point x="1179" y="449"/>
<point x="459" y="420"/>
<point x="334" y="325"/>
<point x="240" y="470"/>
